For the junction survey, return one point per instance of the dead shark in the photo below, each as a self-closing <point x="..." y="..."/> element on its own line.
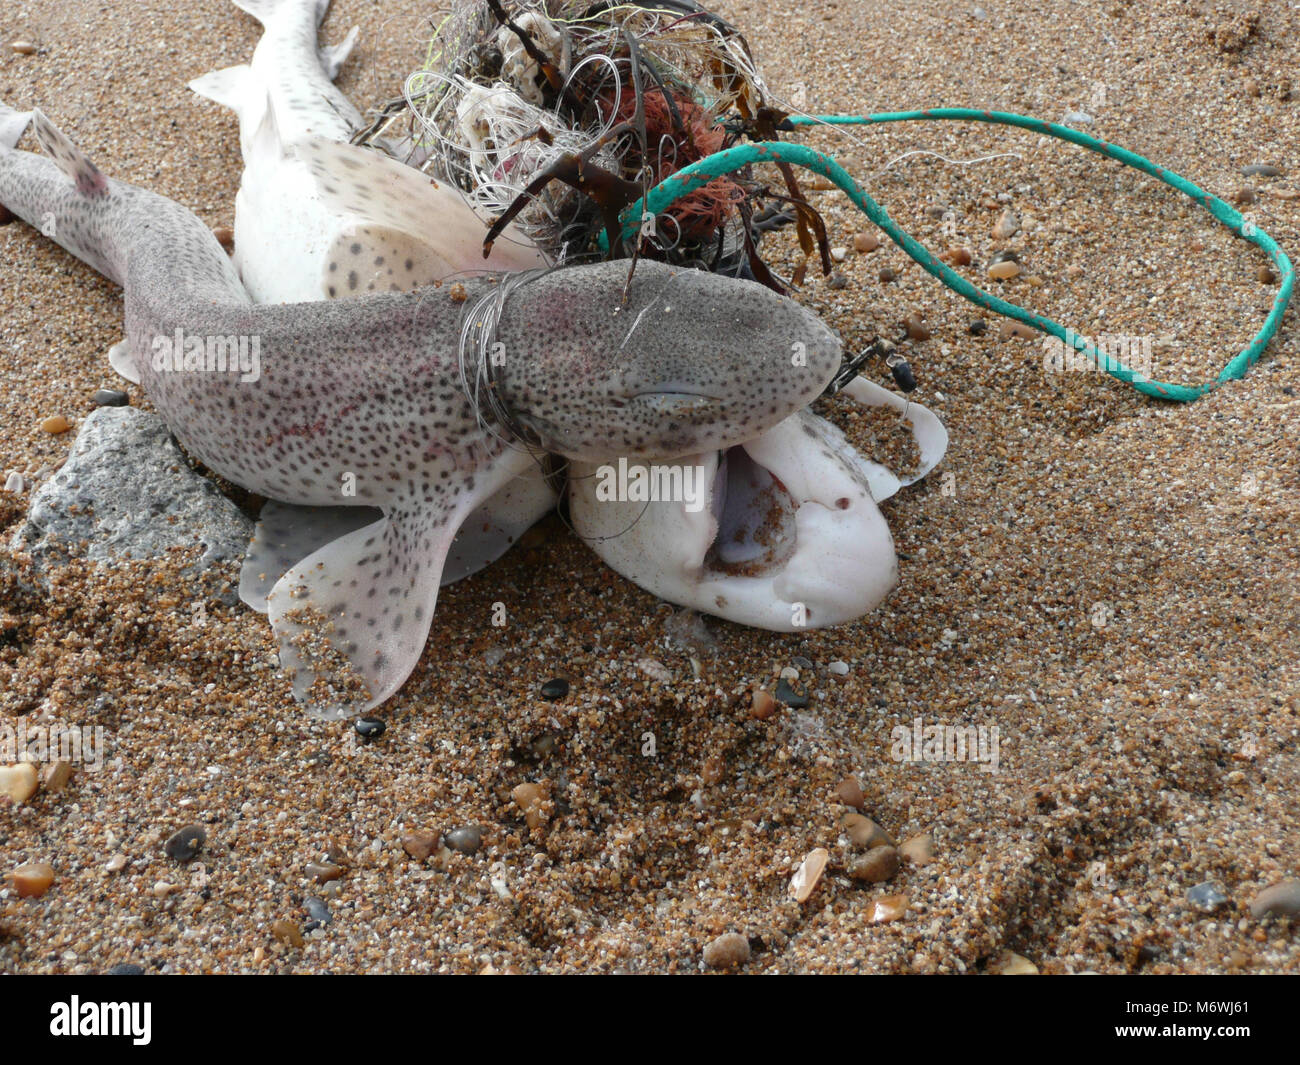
<point x="372" y="393"/>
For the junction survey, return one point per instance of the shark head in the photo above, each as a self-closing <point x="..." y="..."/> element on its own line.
<point x="688" y="362"/>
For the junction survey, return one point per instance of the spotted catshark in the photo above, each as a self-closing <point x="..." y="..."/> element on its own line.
<point x="367" y="395"/>
<point x="788" y="534"/>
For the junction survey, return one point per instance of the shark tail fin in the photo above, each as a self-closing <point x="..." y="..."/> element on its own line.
<point x="12" y="125"/>
<point x="68" y="157"/>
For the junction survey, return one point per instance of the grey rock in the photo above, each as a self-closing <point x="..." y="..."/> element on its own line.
<point x="126" y="492"/>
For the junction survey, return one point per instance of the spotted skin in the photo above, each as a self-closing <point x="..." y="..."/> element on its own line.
<point x="367" y="392"/>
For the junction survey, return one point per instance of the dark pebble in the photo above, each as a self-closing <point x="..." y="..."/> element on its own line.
<point x="370" y="728"/>
<point x="799" y="662"/>
<point x="555" y="689"/>
<point x="465" y="840"/>
<point x="110" y="397"/>
<point x="186" y="843"/>
<point x="1261" y="170"/>
<point x="837" y="281"/>
<point x="125" y="968"/>
<point x="317" y="910"/>
<point x="978" y="327"/>
<point x="887" y="275"/>
<point x="789" y="696"/>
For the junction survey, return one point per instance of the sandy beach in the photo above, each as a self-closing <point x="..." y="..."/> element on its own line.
<point x="1107" y="586"/>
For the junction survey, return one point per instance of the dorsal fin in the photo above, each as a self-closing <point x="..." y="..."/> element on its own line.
<point x="12" y="125"/>
<point x="68" y="157"/>
<point x="231" y="87"/>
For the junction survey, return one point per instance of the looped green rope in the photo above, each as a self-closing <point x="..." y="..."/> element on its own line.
<point x="701" y="173"/>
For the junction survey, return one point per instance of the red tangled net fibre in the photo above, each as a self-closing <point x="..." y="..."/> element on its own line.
<point x="701" y="213"/>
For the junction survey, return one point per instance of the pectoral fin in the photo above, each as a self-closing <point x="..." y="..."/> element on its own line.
<point x="930" y="435"/>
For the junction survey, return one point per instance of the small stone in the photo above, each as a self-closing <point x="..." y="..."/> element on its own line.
<point x="887" y="275"/>
<point x="22" y="47"/>
<point x="919" y="850"/>
<point x="655" y="670"/>
<point x="865" y="242"/>
<point x="33" y="880"/>
<point x="916" y="327"/>
<point x="762" y="705"/>
<point x="1280" y="900"/>
<point x="56" y="424"/>
<point x="837" y="668"/>
<point x="1261" y="170"/>
<point x="1004" y="270"/>
<point x="110" y="397"/>
<point x="787" y="695"/>
<point x="1017" y="329"/>
<point x="125" y="968"/>
<point x="1009" y="963"/>
<point x="163" y="888"/>
<point x="317" y="910"/>
<point x="458" y="292"/>
<point x="225" y="236"/>
<point x="1244" y="196"/>
<point x="887" y="908"/>
<point x="838" y="255"/>
<point x="876" y="866"/>
<point x="837" y="281"/>
<point x="865" y="833"/>
<point x="19" y="782"/>
<point x="57" y="775"/>
<point x="555" y="689"/>
<point x="1250" y="87"/>
<point x="115" y="864"/>
<point x="370" y="728"/>
<point x="1265" y="276"/>
<point x="287" y="933"/>
<point x="808" y="875"/>
<point x="727" y="952"/>
<point x="419" y="843"/>
<point x="978" y="327"/>
<point x="323" y="872"/>
<point x="1007" y="226"/>
<point x="1208" y="896"/>
<point x="466" y="840"/>
<point x="849" y="792"/>
<point x="14" y="482"/>
<point x="713" y="770"/>
<point x="958" y="255"/>
<point x="185" y="844"/>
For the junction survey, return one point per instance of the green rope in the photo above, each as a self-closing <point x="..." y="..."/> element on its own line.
<point x="701" y="173"/>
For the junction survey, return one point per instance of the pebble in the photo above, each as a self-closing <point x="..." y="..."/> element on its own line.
<point x="838" y="255"/>
<point x="1244" y="196"/>
<point x="324" y="872"/>
<point x="887" y="908"/>
<point x="727" y="952"/>
<point x="849" y="792"/>
<point x="317" y="910"/>
<point x="865" y="242"/>
<point x="1017" y="329"/>
<point x="125" y="968"/>
<point x="57" y="775"/>
<point x="186" y="843"/>
<point x="916" y="327"/>
<point x="22" y="47"/>
<point x="1012" y="964"/>
<point x="789" y="696"/>
<point x="19" y="782"/>
<point x="1250" y="86"/>
<point x="162" y="889"/>
<point x="557" y="688"/>
<point x="838" y="668"/>
<point x="110" y="397"/>
<point x="876" y="866"/>
<point x="14" y="482"/>
<point x="958" y="256"/>
<point x="762" y="705"/>
<point x="115" y="864"/>
<point x="655" y="670"/>
<point x="978" y="327"/>
<point x="837" y="281"/>
<point x="1007" y="226"/>
<point x="919" y="850"/>
<point x="370" y="728"/>
<point x="887" y="275"/>
<point x="808" y="875"/>
<point x="56" y="424"/>
<point x="466" y="840"/>
<point x="1261" y="170"/>
<point x="1265" y="275"/>
<point x="33" y="880"/>
<point x="419" y="843"/>
<point x="528" y="797"/>
<point x="1004" y="270"/>
<point x="865" y="833"/>
<point x="1207" y="896"/>
<point x="287" y="933"/>
<point x="1280" y="900"/>
<point x="459" y="293"/>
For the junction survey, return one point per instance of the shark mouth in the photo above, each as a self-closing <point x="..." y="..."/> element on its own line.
<point x="785" y="533"/>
